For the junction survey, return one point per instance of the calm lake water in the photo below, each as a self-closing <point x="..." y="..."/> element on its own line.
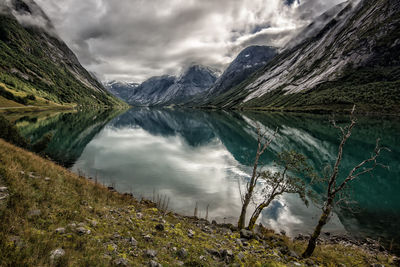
<point x="202" y="157"/>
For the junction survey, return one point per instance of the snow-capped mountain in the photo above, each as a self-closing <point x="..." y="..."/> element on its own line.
<point x="121" y="90"/>
<point x="166" y="90"/>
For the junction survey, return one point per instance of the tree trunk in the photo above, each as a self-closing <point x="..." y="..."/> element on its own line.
<point x="317" y="231"/>
<point x="249" y="193"/>
<point x="242" y="218"/>
<point x="257" y="213"/>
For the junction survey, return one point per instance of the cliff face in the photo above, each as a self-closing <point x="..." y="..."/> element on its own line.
<point x="353" y="45"/>
<point x="36" y="61"/>
<point x="167" y="90"/>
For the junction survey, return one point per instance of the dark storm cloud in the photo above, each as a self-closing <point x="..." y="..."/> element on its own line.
<point x="135" y="39"/>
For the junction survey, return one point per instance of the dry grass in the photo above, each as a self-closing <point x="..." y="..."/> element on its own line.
<point x="112" y="218"/>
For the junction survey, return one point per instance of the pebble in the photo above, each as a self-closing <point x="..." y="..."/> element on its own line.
<point x="182" y="253"/>
<point x="190" y="233"/>
<point x="60" y="230"/>
<point x="154" y="264"/>
<point x="57" y="254"/>
<point x="121" y="262"/>
<point x="150" y="253"/>
<point x="82" y="231"/>
<point x="3" y="189"/>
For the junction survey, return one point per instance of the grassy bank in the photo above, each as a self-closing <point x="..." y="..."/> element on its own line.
<point x="45" y="207"/>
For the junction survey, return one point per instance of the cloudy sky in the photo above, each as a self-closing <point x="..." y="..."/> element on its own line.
<point x="132" y="40"/>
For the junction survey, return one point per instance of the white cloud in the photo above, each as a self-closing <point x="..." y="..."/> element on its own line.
<point x="135" y="39"/>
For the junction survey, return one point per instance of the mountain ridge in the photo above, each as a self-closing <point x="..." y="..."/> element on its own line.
<point x="35" y="61"/>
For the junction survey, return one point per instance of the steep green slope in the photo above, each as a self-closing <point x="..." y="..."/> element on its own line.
<point x="35" y="62"/>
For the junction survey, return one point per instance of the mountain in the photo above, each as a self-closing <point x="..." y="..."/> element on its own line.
<point x="35" y="64"/>
<point x="122" y="90"/>
<point x="168" y="90"/>
<point x="247" y="62"/>
<point x="347" y="56"/>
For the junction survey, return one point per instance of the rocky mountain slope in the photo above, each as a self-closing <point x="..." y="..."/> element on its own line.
<point x="247" y="62"/>
<point x="35" y="61"/>
<point x="167" y="90"/>
<point x="122" y="90"/>
<point x="350" y="55"/>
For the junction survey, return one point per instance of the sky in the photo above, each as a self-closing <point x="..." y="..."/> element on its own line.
<point x="132" y="40"/>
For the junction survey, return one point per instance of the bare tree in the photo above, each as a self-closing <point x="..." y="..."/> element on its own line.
<point x="334" y="187"/>
<point x="286" y="181"/>
<point x="263" y="144"/>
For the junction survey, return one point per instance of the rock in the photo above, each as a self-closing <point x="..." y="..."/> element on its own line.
<point x="292" y="254"/>
<point x="3" y="189"/>
<point x="60" y="230"/>
<point x="121" y="262"/>
<point x="81" y="224"/>
<point x="214" y="252"/>
<point x="139" y="215"/>
<point x="190" y="233"/>
<point x="72" y="225"/>
<point x="133" y="242"/>
<point x="150" y="253"/>
<point x="47" y="179"/>
<point x="202" y="258"/>
<point x="57" y="254"/>
<point x="81" y="231"/>
<point x="182" y="253"/>
<point x="239" y="242"/>
<point x="227" y="255"/>
<point x="34" y="213"/>
<point x="160" y="227"/>
<point x="154" y="264"/>
<point x="240" y="255"/>
<point x="147" y="238"/>
<point x="246" y="234"/>
<point x="93" y="223"/>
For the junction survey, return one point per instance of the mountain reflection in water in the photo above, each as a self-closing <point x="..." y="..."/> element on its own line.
<point x="195" y="156"/>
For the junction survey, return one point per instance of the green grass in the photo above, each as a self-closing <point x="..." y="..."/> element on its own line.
<point x="27" y="65"/>
<point x="66" y="198"/>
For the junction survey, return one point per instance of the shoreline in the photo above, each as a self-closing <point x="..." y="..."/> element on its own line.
<point x="57" y="209"/>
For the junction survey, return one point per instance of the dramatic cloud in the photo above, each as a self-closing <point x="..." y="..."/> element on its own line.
<point x="132" y="40"/>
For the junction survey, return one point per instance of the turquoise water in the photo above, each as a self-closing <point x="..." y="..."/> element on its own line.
<point x="202" y="157"/>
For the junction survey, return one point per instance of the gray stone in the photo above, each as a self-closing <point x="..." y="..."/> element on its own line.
<point x="133" y="242"/>
<point x="202" y="258"/>
<point x="150" y="253"/>
<point x="190" y="233"/>
<point x="82" y="231"/>
<point x="121" y="262"/>
<point x="139" y="215"/>
<point x="182" y="253"/>
<point x="154" y="264"/>
<point x="60" y="230"/>
<point x="72" y="225"/>
<point x="240" y="255"/>
<point x="147" y="238"/>
<point x="293" y="254"/>
<point x="56" y="254"/>
<point x="239" y="242"/>
<point x="246" y="234"/>
<point x="47" y="179"/>
<point x="3" y="189"/>
<point x="227" y="255"/>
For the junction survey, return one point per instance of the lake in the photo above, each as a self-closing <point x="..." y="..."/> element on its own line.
<point x="201" y="158"/>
